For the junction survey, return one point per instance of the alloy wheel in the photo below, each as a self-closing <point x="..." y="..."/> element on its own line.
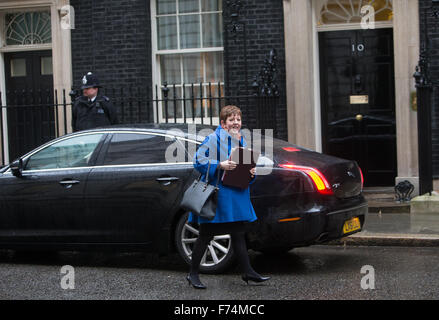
<point x="217" y="250"/>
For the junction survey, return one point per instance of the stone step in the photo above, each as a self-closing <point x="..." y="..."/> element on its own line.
<point x="383" y="199"/>
<point x="379" y="192"/>
<point x="388" y="207"/>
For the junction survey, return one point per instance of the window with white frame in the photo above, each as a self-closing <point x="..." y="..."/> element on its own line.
<point x="188" y="56"/>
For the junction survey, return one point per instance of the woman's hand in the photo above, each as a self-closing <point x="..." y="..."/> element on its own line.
<point x="253" y="172"/>
<point x="228" y="165"/>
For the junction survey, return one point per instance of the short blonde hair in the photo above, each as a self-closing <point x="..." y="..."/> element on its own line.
<point x="228" y="111"/>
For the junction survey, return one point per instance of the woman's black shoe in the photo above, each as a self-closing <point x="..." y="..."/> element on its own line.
<point x="258" y="278"/>
<point x="195" y="282"/>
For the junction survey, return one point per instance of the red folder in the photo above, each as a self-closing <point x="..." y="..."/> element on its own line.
<point x="240" y="177"/>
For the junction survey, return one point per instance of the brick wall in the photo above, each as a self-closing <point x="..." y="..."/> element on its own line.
<point x="433" y="31"/>
<point x="113" y="40"/>
<point x="260" y="29"/>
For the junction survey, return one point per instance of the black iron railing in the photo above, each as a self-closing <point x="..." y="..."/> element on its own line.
<point x="29" y="119"/>
<point x="427" y="88"/>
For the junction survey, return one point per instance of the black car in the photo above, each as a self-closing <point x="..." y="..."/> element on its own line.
<point x="120" y="187"/>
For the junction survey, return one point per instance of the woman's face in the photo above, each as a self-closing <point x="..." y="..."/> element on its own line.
<point x="232" y="124"/>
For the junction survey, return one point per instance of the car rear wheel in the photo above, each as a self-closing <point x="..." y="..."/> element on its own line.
<point x="219" y="254"/>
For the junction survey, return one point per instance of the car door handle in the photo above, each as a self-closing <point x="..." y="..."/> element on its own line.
<point x="66" y="183"/>
<point x="167" y="180"/>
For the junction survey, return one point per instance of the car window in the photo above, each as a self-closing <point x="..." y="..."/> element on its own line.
<point x="69" y="153"/>
<point x="133" y="148"/>
<point x="191" y="149"/>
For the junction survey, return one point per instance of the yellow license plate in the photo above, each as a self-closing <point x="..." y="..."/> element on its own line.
<point x="351" y="225"/>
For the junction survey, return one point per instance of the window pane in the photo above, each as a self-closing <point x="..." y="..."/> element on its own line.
<point x="46" y="66"/>
<point x="166" y="6"/>
<point x="191" y="149"/>
<point x="167" y="33"/>
<point x="190" y="31"/>
<point x="212" y="5"/>
<point x="337" y="12"/>
<point x="193" y="68"/>
<point x="185" y="6"/>
<point x="214" y="67"/>
<point x="18" y="67"/>
<point x="193" y="102"/>
<point x="69" y="153"/>
<point x="212" y="30"/>
<point x="129" y="148"/>
<point x="170" y="68"/>
<point x="213" y="101"/>
<point x="28" y="28"/>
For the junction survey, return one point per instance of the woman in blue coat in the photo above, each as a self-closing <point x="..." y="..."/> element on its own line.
<point x="234" y="207"/>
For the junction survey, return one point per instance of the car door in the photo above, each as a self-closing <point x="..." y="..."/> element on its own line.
<point x="134" y="188"/>
<point x="46" y="203"/>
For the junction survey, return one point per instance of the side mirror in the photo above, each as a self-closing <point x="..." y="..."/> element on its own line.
<point x="17" y="167"/>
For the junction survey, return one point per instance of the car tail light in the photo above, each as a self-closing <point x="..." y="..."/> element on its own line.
<point x="316" y="176"/>
<point x="291" y="149"/>
<point x="362" y="179"/>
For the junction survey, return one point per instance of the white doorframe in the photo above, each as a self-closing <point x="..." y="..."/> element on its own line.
<point x="317" y="101"/>
<point x="303" y="77"/>
<point x="61" y="55"/>
<point x="4" y="114"/>
<point x="316" y="57"/>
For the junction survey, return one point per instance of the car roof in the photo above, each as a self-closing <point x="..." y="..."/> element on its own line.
<point x="182" y="130"/>
<point x="188" y="131"/>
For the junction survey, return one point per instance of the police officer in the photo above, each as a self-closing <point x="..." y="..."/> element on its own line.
<point x="92" y="110"/>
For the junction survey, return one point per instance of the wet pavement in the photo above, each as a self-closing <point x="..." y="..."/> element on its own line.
<point x="397" y="229"/>
<point x="316" y="272"/>
<point x="402" y="223"/>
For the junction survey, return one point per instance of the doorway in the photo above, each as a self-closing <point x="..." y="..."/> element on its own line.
<point x="358" y="101"/>
<point x="29" y="99"/>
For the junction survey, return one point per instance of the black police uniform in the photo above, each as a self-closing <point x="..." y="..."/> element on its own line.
<point x="88" y="115"/>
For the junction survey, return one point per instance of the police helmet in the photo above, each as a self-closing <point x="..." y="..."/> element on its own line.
<point x="90" y="81"/>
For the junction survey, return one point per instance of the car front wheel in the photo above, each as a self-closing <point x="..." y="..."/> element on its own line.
<point x="219" y="254"/>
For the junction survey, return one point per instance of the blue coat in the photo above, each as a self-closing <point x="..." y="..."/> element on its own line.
<point x="233" y="203"/>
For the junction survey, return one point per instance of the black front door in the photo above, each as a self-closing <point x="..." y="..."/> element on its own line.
<point x="358" y="101"/>
<point x="29" y="97"/>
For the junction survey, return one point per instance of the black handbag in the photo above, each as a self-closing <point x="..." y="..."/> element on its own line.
<point x="201" y="198"/>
